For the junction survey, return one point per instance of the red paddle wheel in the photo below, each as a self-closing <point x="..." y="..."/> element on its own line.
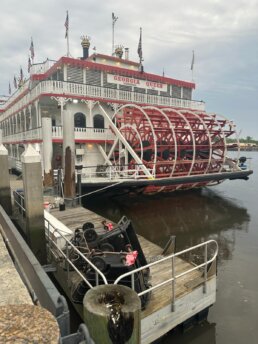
<point x="171" y="143"/>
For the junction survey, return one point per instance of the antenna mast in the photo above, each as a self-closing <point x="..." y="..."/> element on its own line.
<point x="114" y="19"/>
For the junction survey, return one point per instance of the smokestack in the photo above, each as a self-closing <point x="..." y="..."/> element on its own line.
<point x="126" y="53"/>
<point x="85" y="46"/>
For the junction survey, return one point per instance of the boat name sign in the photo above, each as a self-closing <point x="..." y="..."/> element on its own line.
<point x="128" y="81"/>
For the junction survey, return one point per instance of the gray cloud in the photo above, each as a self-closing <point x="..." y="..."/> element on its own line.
<point x="223" y="34"/>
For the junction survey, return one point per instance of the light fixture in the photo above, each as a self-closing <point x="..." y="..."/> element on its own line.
<point x="75" y="101"/>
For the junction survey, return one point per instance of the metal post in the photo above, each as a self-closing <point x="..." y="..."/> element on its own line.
<point x="205" y="268"/>
<point x="79" y="182"/>
<point x="173" y="284"/>
<point x="114" y="19"/>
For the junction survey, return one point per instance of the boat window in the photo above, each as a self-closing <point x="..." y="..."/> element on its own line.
<point x="79" y="120"/>
<point x="98" y="121"/>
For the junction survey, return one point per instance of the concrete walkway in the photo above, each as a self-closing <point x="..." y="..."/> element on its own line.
<point x="12" y="288"/>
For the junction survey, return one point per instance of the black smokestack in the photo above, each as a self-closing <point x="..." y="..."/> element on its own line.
<point x="85" y="46"/>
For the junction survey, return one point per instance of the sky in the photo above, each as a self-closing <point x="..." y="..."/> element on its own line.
<point x="222" y="34"/>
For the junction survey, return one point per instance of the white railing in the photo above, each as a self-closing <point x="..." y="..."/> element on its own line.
<point x="57" y="133"/>
<point x="41" y="68"/>
<point x="85" y="133"/>
<point x="60" y="87"/>
<point x="113" y="172"/>
<point x="32" y="134"/>
<point x="212" y="244"/>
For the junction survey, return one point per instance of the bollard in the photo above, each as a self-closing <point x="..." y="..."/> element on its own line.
<point x="112" y="314"/>
<point x="28" y="324"/>
<point x="5" y="190"/>
<point x="33" y="197"/>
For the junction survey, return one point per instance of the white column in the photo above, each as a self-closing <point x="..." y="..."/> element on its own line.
<point x="65" y="72"/>
<point x="47" y="149"/>
<point x="36" y="104"/>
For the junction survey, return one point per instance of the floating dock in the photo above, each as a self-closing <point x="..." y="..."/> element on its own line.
<point x="182" y="289"/>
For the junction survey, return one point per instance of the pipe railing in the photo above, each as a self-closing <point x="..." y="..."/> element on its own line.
<point x="51" y="230"/>
<point x="174" y="277"/>
<point x="19" y="201"/>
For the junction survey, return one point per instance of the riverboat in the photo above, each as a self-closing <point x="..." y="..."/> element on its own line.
<point x="119" y="127"/>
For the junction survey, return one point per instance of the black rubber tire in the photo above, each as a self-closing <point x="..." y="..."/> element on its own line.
<point x="87" y="225"/>
<point x="100" y="263"/>
<point x="107" y="247"/>
<point x="90" y="235"/>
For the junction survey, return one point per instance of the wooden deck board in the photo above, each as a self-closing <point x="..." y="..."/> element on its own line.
<point x="161" y="297"/>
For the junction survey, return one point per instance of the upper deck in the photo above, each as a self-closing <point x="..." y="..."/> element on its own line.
<point x="100" y="81"/>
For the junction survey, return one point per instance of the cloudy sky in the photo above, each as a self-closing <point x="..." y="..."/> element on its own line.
<point x="223" y="34"/>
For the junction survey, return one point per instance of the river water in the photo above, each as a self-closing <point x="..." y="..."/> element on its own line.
<point x="227" y="213"/>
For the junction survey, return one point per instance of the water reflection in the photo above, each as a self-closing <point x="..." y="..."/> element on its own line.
<point x="200" y="334"/>
<point x="192" y="216"/>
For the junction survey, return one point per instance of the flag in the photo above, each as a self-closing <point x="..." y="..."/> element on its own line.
<point x="29" y="64"/>
<point x="10" y="91"/>
<point x="66" y="24"/>
<point x="14" y="82"/>
<point x="192" y="64"/>
<point x="114" y="18"/>
<point x="32" y="53"/>
<point x="21" y="74"/>
<point x="140" y="45"/>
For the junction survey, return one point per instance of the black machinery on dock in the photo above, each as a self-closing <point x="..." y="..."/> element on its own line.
<point x="114" y="253"/>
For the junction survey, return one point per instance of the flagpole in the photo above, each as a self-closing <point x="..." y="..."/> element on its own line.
<point x="114" y="19"/>
<point x="68" y="51"/>
<point x="67" y="32"/>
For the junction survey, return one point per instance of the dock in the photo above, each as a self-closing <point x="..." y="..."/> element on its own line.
<point x="181" y="289"/>
<point x="162" y="313"/>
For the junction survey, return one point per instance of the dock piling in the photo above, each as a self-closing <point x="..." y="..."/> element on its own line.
<point x="33" y="197"/>
<point x="5" y="189"/>
<point x="112" y="314"/>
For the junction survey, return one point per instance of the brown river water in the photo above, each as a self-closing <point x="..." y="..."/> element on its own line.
<point x="227" y="213"/>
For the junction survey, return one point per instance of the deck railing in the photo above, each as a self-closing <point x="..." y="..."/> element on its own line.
<point x="19" y="202"/>
<point x="87" y="133"/>
<point x="84" y="90"/>
<point x="28" y="135"/>
<point x="212" y="244"/>
<point x="114" y="172"/>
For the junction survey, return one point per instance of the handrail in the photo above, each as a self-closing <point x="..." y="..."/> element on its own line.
<point x="174" y="276"/>
<point x="63" y="87"/>
<point x="68" y="243"/>
<point x="21" y="203"/>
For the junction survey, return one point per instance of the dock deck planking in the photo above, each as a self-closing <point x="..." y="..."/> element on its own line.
<point x="162" y="296"/>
